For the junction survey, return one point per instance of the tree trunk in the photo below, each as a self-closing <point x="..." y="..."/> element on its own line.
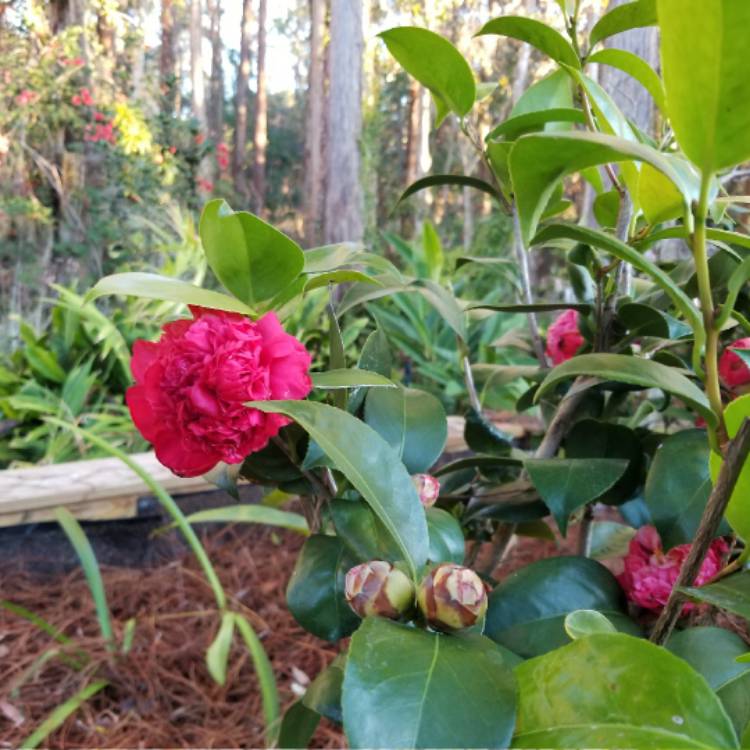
<point x="243" y="76"/>
<point x="260" y="127"/>
<point x="411" y="157"/>
<point x="314" y="135"/>
<point x="343" y="192"/>
<point x="198" y="94"/>
<point x="627" y="93"/>
<point x="167" y="64"/>
<point x="216" y="88"/>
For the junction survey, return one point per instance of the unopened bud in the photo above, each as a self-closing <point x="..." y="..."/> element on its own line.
<point x="377" y="588"/>
<point x="428" y="488"/>
<point x="452" y="597"/>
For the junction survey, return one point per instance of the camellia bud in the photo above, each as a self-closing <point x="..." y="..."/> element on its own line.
<point x="452" y="597"/>
<point x="428" y="488"/>
<point x="377" y="588"/>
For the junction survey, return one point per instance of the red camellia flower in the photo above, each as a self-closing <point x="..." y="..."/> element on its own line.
<point x="563" y="337"/>
<point x="192" y="385"/>
<point x="732" y="368"/>
<point x="650" y="573"/>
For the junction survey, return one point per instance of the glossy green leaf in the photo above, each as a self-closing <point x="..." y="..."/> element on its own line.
<point x="527" y="611"/>
<point x="678" y="486"/>
<point x="298" y="726"/>
<point x="634" y="370"/>
<point x="153" y="286"/>
<point x="735" y="285"/>
<point x="376" y="354"/>
<point x="345" y="276"/>
<point x="350" y="378"/>
<point x="658" y="197"/>
<point x="217" y="654"/>
<point x="435" y="180"/>
<point x="361" y="531"/>
<point x="324" y="694"/>
<point x="530" y="122"/>
<point x="408" y="688"/>
<point x="315" y="594"/>
<point x="609" y="539"/>
<point x="540" y="160"/>
<point x="537" y="34"/>
<point x="252" y="259"/>
<point x="411" y="421"/>
<point x="437" y="65"/>
<point x="634" y="66"/>
<point x="535" y="307"/>
<point x="446" y="537"/>
<point x="586" y="622"/>
<point x="645" y="320"/>
<point x="372" y="467"/>
<point x="707" y="103"/>
<point x="566" y="484"/>
<point x="252" y="514"/>
<point x="613" y="690"/>
<point x="482" y="436"/>
<point x="738" y="510"/>
<point x="554" y="91"/>
<point x="43" y="363"/>
<point x="620" y="250"/>
<point x="731" y="593"/>
<point x="590" y="438"/>
<point x="623" y="17"/>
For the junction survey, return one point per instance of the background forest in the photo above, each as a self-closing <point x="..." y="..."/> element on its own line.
<point x="120" y="118"/>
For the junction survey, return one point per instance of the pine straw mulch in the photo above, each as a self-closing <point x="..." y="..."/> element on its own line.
<point x="160" y="694"/>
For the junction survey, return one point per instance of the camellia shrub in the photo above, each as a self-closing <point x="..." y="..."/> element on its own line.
<point x="640" y="382"/>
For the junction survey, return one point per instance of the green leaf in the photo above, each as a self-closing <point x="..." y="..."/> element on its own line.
<point x="376" y="354"/>
<point x="411" y="421"/>
<point x="252" y="514"/>
<point x="536" y="307"/>
<point x="346" y="276"/>
<point x="527" y="611"/>
<point x="566" y="484"/>
<point x="433" y="251"/>
<point x="540" y="160"/>
<point x="361" y="531"/>
<point x="315" y="594"/>
<point x="298" y="726"/>
<point x="555" y="91"/>
<point x="483" y="436"/>
<point x="585" y="622"/>
<point x="529" y="122"/>
<point x="434" y="180"/>
<point x="218" y="652"/>
<point x="350" y="378"/>
<point x="736" y="283"/>
<point x="738" y="510"/>
<point x="624" y="17"/>
<point x="731" y="593"/>
<point x="324" y="694"/>
<point x="612" y="690"/>
<point x="85" y="552"/>
<point x="620" y="250"/>
<point x="437" y="65"/>
<point x="43" y="363"/>
<point x="371" y="465"/>
<point x="537" y="34"/>
<point x="625" y="369"/>
<point x="609" y="539"/>
<point x="707" y="103"/>
<point x="635" y="67"/>
<point x="678" y="486"/>
<point x="645" y="320"/>
<point x="252" y="259"/>
<point x="446" y="537"/>
<point x="409" y="688"/>
<point x="153" y="286"/>
<point x="589" y="438"/>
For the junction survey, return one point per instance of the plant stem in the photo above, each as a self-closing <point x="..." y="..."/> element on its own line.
<point x="717" y="503"/>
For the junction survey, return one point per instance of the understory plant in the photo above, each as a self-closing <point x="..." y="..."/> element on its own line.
<point x="639" y="384"/>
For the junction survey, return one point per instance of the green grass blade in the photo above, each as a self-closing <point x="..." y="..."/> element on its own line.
<point x="61" y="713"/>
<point x="79" y="540"/>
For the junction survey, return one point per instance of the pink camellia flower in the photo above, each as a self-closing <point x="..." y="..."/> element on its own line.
<point x="650" y="573"/>
<point x="563" y="337"/>
<point x="732" y="369"/>
<point x="26" y="96"/>
<point x="428" y="488"/>
<point x="191" y="387"/>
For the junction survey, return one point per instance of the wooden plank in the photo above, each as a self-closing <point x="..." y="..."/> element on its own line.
<point x="84" y="484"/>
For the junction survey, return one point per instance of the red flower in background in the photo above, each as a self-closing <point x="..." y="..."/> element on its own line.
<point x="563" y="337"/>
<point x="650" y="573"/>
<point x="732" y="368"/>
<point x="26" y="96"/>
<point x="222" y="156"/>
<point x="205" y="186"/>
<point x="192" y="385"/>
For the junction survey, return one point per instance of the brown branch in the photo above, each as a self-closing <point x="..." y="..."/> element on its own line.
<point x="717" y="503"/>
